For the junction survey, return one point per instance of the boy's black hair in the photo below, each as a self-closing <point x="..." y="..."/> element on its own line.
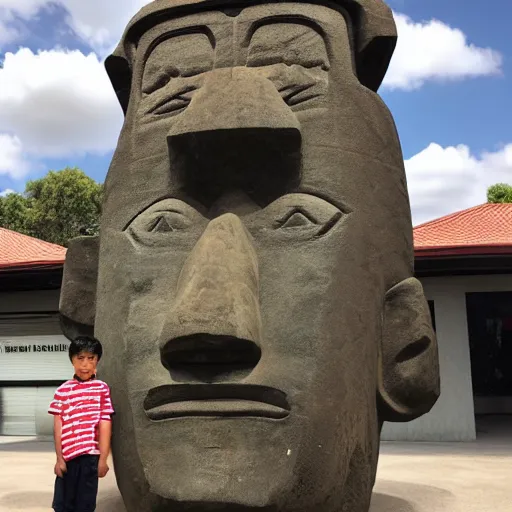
<point x="85" y="344"/>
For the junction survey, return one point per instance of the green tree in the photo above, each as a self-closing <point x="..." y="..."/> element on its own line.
<point x="56" y="208"/>
<point x="14" y="213"/>
<point x="499" y="193"/>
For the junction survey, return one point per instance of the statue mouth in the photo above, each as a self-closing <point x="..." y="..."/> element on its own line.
<point x="219" y="400"/>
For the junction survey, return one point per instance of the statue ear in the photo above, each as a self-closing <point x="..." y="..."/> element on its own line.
<point x="78" y="292"/>
<point x="408" y="381"/>
<point x="375" y="38"/>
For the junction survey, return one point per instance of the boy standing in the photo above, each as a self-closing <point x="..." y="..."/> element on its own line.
<point x="82" y="429"/>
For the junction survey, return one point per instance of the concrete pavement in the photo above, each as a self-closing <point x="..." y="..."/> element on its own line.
<point x="415" y="477"/>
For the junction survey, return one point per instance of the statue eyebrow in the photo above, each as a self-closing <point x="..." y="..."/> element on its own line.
<point x="292" y="19"/>
<point x="183" y="31"/>
<point x="310" y="41"/>
<point x="177" y="60"/>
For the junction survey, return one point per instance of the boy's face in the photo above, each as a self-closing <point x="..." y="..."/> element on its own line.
<point x="85" y="364"/>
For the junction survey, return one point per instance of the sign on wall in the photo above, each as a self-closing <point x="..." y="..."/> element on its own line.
<point x="13" y="347"/>
<point x="37" y="358"/>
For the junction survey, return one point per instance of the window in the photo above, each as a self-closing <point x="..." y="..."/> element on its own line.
<point x="490" y="339"/>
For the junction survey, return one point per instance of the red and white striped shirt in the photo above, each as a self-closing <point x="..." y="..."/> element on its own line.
<point x="81" y="406"/>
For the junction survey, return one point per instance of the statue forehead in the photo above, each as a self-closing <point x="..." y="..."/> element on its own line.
<point x="374" y="14"/>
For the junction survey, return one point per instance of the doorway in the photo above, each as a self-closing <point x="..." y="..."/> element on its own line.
<point x="489" y="317"/>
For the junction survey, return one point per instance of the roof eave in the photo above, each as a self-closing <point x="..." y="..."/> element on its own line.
<point x="463" y="250"/>
<point x="31" y="265"/>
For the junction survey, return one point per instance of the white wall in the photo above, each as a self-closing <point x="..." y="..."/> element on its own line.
<point x="452" y="418"/>
<point x="30" y="405"/>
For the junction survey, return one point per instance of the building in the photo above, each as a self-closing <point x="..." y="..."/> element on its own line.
<point x="33" y="352"/>
<point x="464" y="261"/>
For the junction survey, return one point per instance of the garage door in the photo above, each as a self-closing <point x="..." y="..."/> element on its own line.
<point x="24" y="411"/>
<point x="18" y="408"/>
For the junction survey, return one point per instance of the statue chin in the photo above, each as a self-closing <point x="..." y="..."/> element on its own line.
<point x="214" y="494"/>
<point x="216" y="470"/>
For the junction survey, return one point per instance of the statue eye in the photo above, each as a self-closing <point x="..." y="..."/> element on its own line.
<point x="166" y="222"/>
<point x="174" y="103"/>
<point x="296" y="219"/>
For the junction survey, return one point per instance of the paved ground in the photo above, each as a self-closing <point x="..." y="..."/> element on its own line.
<point x="418" y="477"/>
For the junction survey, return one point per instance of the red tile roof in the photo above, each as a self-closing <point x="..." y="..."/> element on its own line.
<point x="481" y="230"/>
<point x="20" y="251"/>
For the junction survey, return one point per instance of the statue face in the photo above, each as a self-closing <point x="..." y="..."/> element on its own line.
<point x="255" y="216"/>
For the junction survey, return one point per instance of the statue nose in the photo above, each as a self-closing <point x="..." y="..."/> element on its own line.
<point x="237" y="132"/>
<point x="213" y="332"/>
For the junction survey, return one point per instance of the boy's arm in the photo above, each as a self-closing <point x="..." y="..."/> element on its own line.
<point x="60" y="466"/>
<point x="105" y="432"/>
<point x="57" y="436"/>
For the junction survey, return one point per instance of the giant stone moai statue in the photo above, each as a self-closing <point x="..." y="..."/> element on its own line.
<point x="253" y="281"/>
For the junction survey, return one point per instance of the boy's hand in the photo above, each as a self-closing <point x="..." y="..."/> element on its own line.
<point x="60" y="468"/>
<point x="102" y="468"/>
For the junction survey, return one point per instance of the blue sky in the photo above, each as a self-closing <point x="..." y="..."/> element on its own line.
<point x="447" y="87"/>
<point x="475" y="111"/>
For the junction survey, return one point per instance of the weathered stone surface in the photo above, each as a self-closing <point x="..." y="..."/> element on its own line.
<point x="78" y="295"/>
<point x="254" y="288"/>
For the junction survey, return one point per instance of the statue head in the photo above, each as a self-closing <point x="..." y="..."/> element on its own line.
<point x="253" y="283"/>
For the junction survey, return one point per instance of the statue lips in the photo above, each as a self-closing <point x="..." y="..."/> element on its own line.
<point x="221" y="400"/>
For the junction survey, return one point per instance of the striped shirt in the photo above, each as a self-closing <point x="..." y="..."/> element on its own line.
<point x="81" y="406"/>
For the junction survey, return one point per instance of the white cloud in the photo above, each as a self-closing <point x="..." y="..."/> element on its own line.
<point x="12" y="160"/>
<point x="9" y="10"/>
<point x="8" y="33"/>
<point x="445" y="180"/>
<point x="25" y="8"/>
<point x="58" y="103"/>
<point x="99" y="22"/>
<point x="6" y="192"/>
<point x="434" y="51"/>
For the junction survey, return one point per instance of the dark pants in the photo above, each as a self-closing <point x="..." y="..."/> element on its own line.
<point x="77" y="491"/>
